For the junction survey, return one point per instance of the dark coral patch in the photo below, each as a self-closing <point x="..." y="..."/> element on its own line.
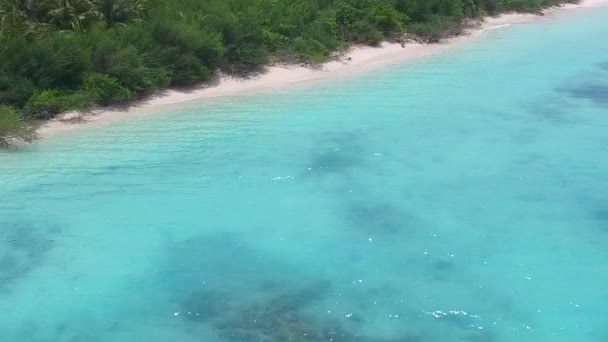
<point x="23" y="248"/>
<point x="603" y="65"/>
<point x="595" y="92"/>
<point x="335" y="161"/>
<point x="380" y="217"/>
<point x="601" y="214"/>
<point x="338" y="153"/>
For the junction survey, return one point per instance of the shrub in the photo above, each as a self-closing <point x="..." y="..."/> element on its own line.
<point x="126" y="64"/>
<point x="363" y="32"/>
<point x="246" y="57"/>
<point x="243" y="38"/>
<point x="55" y="61"/>
<point x="14" y="91"/>
<point x="347" y="15"/>
<point x="310" y="50"/>
<point x="48" y="103"/>
<point x="189" y="70"/>
<point x="188" y="39"/>
<point x="324" y="33"/>
<point x="105" y="89"/>
<point x="387" y="19"/>
<point x="274" y="40"/>
<point x="436" y="29"/>
<point x="13" y="129"/>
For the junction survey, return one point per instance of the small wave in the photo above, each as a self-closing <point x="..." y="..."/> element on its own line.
<point x="498" y="26"/>
<point x="282" y="178"/>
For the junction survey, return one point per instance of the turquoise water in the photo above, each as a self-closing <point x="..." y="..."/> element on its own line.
<point x="463" y="197"/>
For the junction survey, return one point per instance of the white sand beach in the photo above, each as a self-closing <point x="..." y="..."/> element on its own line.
<point x="358" y="59"/>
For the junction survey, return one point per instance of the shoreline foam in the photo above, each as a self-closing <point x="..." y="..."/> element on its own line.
<point x="358" y="59"/>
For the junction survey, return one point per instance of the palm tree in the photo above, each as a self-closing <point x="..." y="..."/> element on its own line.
<point x="70" y="14"/>
<point x="27" y="9"/>
<point x="21" y="17"/>
<point x="120" y="11"/>
<point x="35" y="16"/>
<point x="12" y="19"/>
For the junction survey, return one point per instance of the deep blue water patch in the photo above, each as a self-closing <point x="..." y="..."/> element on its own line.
<point x="378" y="218"/>
<point x="338" y="153"/>
<point x="23" y="248"/>
<point x="211" y="257"/>
<point x="548" y="112"/>
<point x="594" y="91"/>
<point x="554" y="109"/>
<point x="442" y="268"/>
<point x="601" y="214"/>
<point x="335" y="160"/>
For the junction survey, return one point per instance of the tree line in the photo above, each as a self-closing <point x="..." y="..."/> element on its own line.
<point x="58" y="55"/>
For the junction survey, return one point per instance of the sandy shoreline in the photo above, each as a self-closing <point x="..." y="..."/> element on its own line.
<point x="356" y="60"/>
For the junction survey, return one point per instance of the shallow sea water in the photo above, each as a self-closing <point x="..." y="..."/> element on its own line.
<point x="463" y="197"/>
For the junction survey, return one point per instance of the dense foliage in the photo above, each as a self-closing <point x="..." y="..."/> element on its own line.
<point x="13" y="129"/>
<point x="57" y="55"/>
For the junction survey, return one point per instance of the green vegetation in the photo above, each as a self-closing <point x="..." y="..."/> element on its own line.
<point x="13" y="129"/>
<point x="57" y="55"/>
